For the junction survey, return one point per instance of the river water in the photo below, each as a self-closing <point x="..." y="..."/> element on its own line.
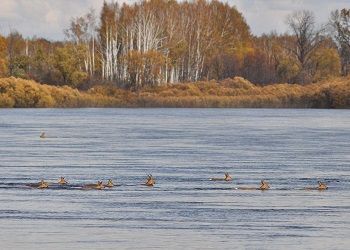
<point x="182" y="149"/>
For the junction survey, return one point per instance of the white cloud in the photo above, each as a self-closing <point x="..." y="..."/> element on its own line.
<point x="264" y="16"/>
<point x="42" y="18"/>
<point x="8" y="9"/>
<point x="51" y="16"/>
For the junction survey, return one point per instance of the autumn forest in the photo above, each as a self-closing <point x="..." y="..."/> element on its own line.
<point x="179" y="54"/>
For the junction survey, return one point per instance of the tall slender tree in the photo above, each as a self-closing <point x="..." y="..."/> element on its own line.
<point x="307" y="39"/>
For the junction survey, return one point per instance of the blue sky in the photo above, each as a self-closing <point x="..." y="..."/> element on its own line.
<point x="48" y="18"/>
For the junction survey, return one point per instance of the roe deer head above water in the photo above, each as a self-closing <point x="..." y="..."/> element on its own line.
<point x="110" y="183"/>
<point x="322" y="186"/>
<point x="62" y="181"/>
<point x="264" y="185"/>
<point x="43" y="184"/>
<point x="226" y="178"/>
<point x="150" y="181"/>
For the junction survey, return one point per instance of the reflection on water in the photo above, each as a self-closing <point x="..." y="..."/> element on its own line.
<point x="183" y="149"/>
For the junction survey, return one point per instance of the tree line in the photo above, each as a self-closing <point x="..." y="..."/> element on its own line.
<point x="160" y="42"/>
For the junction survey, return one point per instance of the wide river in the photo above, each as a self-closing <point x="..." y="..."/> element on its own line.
<point x="182" y="149"/>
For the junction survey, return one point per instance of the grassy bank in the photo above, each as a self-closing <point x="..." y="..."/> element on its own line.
<point x="236" y="93"/>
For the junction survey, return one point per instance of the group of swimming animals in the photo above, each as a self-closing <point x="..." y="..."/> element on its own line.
<point x="62" y="181"/>
<point x="150" y="182"/>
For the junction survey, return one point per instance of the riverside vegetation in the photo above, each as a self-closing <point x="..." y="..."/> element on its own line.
<point x="164" y="53"/>
<point x="233" y="92"/>
<point x="160" y="42"/>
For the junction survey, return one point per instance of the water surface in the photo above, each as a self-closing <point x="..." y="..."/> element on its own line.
<point x="182" y="148"/>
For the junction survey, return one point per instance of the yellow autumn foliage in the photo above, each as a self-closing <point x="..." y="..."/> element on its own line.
<point x="228" y="93"/>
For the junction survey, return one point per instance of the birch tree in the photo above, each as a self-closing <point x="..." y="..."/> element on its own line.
<point x="82" y="32"/>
